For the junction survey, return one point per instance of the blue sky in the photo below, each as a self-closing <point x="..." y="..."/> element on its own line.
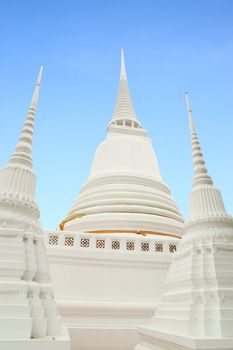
<point x="170" y="47"/>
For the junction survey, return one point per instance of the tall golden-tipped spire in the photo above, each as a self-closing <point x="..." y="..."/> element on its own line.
<point x="23" y="151"/>
<point x="201" y="176"/>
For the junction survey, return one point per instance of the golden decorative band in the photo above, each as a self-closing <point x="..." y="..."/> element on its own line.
<point x="139" y="232"/>
<point x="69" y="218"/>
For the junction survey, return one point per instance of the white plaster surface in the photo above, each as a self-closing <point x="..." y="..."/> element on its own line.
<point x="28" y="312"/>
<point x="196" y="311"/>
<point x="125" y="191"/>
<point x="107" y="292"/>
<point x="107" y="270"/>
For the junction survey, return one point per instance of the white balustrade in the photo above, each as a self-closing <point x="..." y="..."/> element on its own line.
<point x="113" y="243"/>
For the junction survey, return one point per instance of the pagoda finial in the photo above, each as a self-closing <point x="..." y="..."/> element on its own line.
<point x="191" y="122"/>
<point x="201" y="176"/>
<point x="123" y="70"/>
<point x="23" y="151"/>
<point x="124" y="109"/>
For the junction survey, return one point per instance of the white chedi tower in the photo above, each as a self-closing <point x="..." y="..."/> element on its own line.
<point x="124" y="191"/>
<point x="118" y="239"/>
<point x="196" y="311"/>
<point x="28" y="312"/>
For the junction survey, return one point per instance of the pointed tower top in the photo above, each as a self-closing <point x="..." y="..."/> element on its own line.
<point x="123" y="70"/>
<point x="124" y="113"/>
<point x="191" y="122"/>
<point x="201" y="176"/>
<point x="37" y="87"/>
<point x="23" y="151"/>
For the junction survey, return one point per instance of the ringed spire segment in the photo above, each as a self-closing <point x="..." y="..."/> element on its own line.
<point x="124" y="113"/>
<point x="23" y="151"/>
<point x="201" y="176"/>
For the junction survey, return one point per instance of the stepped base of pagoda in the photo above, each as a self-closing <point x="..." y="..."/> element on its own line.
<point x="107" y="284"/>
<point x="60" y="342"/>
<point x="152" y="339"/>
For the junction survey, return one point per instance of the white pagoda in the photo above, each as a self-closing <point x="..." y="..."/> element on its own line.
<point x="28" y="312"/>
<point x="196" y="311"/>
<point x="110" y="258"/>
<point x="125" y="191"/>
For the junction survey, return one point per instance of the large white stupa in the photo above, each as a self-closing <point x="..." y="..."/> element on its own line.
<point x="28" y="312"/>
<point x="110" y="257"/>
<point x="196" y="311"/>
<point x="125" y="191"/>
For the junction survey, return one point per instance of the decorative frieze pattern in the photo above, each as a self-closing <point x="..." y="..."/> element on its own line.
<point x="80" y="240"/>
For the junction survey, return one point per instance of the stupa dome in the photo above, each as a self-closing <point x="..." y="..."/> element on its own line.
<point x="126" y="154"/>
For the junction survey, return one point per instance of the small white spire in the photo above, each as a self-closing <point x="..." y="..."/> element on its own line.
<point x="23" y="151"/>
<point x="123" y="70"/>
<point x="201" y="176"/>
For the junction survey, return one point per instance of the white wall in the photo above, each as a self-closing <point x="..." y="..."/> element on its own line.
<point x="103" y="292"/>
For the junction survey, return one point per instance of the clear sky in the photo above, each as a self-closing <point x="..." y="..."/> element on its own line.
<point x="170" y="47"/>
